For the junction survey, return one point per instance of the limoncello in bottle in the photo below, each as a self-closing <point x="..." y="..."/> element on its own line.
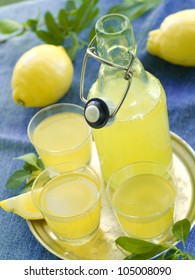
<point x="137" y="127"/>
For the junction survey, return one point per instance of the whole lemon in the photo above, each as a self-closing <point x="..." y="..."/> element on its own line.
<point x="41" y="76"/>
<point x="175" y="40"/>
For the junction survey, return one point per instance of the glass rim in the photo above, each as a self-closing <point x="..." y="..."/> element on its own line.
<point x="143" y="162"/>
<point x="51" y="107"/>
<point x="135" y="217"/>
<point x="147" y="217"/>
<point x="49" y="169"/>
<point x="102" y="19"/>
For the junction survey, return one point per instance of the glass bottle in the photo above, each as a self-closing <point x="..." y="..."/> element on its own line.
<point x="139" y="131"/>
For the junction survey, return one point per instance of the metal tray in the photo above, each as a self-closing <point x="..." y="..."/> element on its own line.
<point x="102" y="245"/>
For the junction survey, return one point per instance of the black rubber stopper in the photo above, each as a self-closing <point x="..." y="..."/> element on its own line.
<point x="103" y="112"/>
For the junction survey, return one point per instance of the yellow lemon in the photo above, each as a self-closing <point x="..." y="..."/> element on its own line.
<point x="41" y="76"/>
<point x="174" y="41"/>
<point x="23" y="206"/>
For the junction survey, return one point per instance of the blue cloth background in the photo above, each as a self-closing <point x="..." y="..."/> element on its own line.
<point x="16" y="241"/>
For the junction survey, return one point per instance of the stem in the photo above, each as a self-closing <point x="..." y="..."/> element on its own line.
<point x="15" y="34"/>
<point x="178" y="252"/>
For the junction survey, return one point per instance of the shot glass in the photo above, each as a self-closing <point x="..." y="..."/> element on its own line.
<point x="142" y="196"/>
<point x="60" y="134"/>
<point x="69" y="201"/>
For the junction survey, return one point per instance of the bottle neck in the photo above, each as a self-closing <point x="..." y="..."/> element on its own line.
<point x="116" y="43"/>
<point x="115" y="39"/>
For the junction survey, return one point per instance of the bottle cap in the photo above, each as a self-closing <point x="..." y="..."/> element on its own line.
<point x="96" y="113"/>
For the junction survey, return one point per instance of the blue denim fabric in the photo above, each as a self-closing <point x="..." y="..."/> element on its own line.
<point x="16" y="241"/>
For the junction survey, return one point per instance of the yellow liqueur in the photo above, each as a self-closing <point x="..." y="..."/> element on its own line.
<point x="144" y="206"/>
<point x="71" y="206"/>
<point x="63" y="137"/>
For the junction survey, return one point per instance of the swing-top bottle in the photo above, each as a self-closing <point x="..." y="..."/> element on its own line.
<point x="137" y="127"/>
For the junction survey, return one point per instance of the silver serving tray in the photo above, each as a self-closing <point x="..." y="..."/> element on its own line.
<point x="102" y="245"/>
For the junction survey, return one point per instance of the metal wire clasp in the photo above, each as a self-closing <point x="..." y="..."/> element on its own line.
<point x="91" y="52"/>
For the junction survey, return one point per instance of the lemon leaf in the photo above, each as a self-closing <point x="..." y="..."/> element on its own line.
<point x="53" y="28"/>
<point x="85" y="14"/>
<point x="70" y="6"/>
<point x="46" y="36"/>
<point x="138" y="246"/>
<point x="32" y="24"/>
<point x="133" y="8"/>
<point x="27" y="187"/>
<point x="32" y="167"/>
<point x="31" y="159"/>
<point x="73" y="48"/>
<point x="17" y="178"/>
<point x="63" y="19"/>
<point x="8" y="26"/>
<point x="181" y="230"/>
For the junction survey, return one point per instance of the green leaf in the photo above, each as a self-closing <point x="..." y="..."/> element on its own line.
<point x="145" y="256"/>
<point x="31" y="159"/>
<point x="53" y="28"/>
<point x="92" y="33"/>
<point x="181" y="230"/>
<point x="46" y="37"/>
<point x="133" y="8"/>
<point x="171" y="254"/>
<point x="190" y="257"/>
<point x="27" y="187"/>
<point x="132" y="11"/>
<point x="29" y="167"/>
<point x="8" y="26"/>
<point x="17" y="178"/>
<point x="63" y="20"/>
<point x="40" y="164"/>
<point x="86" y="14"/>
<point x="71" y="10"/>
<point x="73" y="44"/>
<point x="138" y="246"/>
<point x="32" y="24"/>
<point x="32" y="168"/>
<point x="70" y="6"/>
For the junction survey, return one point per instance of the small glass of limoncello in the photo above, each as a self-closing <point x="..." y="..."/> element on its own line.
<point x="60" y="133"/>
<point x="142" y="195"/>
<point x="68" y="195"/>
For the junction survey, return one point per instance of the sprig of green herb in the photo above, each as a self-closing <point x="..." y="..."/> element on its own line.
<point x="25" y="177"/>
<point x="130" y="8"/>
<point x="142" y="250"/>
<point x="133" y="8"/>
<point x="10" y="28"/>
<point x="63" y="30"/>
<point x="71" y="20"/>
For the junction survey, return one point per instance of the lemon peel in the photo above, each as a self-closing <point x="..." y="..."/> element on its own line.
<point x="174" y="41"/>
<point x="41" y="76"/>
<point x="23" y="206"/>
